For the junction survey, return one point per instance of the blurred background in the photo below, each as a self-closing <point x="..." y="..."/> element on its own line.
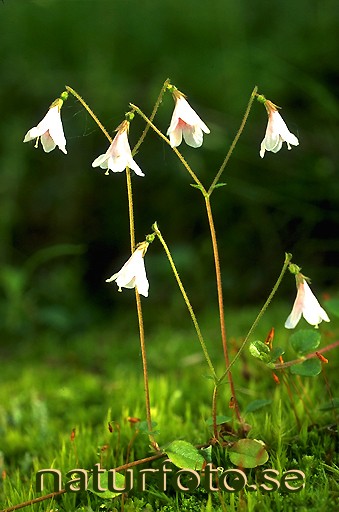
<point x="64" y="225"/>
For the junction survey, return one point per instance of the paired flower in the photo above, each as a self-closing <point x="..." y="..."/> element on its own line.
<point x="276" y="131"/>
<point x="119" y="155"/>
<point x="50" y="130"/>
<point x="185" y="123"/>
<point x="133" y="273"/>
<point x="305" y="304"/>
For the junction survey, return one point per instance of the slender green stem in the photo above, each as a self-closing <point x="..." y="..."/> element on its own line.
<point x="214" y="411"/>
<point x="130" y="208"/>
<point x="179" y="155"/>
<point x="186" y="299"/>
<point x="90" y="111"/>
<point x="221" y="304"/>
<point x="288" y="258"/>
<point x="235" y="140"/>
<point x="144" y="364"/>
<point x="152" y="116"/>
<point x="139" y="310"/>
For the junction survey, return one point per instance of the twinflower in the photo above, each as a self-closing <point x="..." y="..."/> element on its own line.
<point x="118" y="156"/>
<point x="185" y="123"/>
<point x="133" y="273"/>
<point x="276" y="131"/>
<point x="49" y="130"/>
<point x="305" y="304"/>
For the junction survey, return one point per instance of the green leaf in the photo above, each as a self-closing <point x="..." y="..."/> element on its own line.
<point x="309" y="368"/>
<point x="248" y="453"/>
<point x="305" y="341"/>
<point x="107" y="495"/>
<point x="275" y="353"/>
<point x="195" y="185"/>
<point x="220" y="420"/>
<point x="332" y="306"/>
<point x="185" y="455"/>
<point x="329" y="406"/>
<point x="257" y="404"/>
<point x="219" y="185"/>
<point x="260" y="350"/>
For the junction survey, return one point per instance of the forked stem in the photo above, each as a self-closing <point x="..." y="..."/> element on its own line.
<point x="132" y="239"/>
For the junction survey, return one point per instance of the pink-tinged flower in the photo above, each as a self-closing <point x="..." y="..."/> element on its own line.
<point x="118" y="156"/>
<point x="185" y="122"/>
<point x="305" y="304"/>
<point x="276" y="132"/>
<point x="49" y="130"/>
<point x="133" y="273"/>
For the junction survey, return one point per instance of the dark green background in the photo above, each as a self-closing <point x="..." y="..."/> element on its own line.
<point x="117" y="51"/>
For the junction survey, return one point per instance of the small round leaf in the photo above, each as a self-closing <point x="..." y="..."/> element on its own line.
<point x="107" y="495"/>
<point x="309" y="368"/>
<point x="305" y="341"/>
<point x="248" y="453"/>
<point x="185" y="455"/>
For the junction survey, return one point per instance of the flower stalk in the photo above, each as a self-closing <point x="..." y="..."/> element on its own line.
<point x="234" y="142"/>
<point x="187" y="301"/>
<point x="288" y="258"/>
<point x="179" y="155"/>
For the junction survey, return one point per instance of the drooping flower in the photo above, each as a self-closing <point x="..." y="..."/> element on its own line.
<point x="185" y="123"/>
<point x="50" y="130"/>
<point x="133" y="273"/>
<point x="119" y="155"/>
<point x="276" y="131"/>
<point x="305" y="304"/>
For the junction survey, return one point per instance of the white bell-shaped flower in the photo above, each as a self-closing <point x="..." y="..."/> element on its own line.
<point x="276" y="132"/>
<point x="119" y="155"/>
<point x="49" y="130"/>
<point x="185" y="123"/>
<point x="307" y="305"/>
<point x="133" y="273"/>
